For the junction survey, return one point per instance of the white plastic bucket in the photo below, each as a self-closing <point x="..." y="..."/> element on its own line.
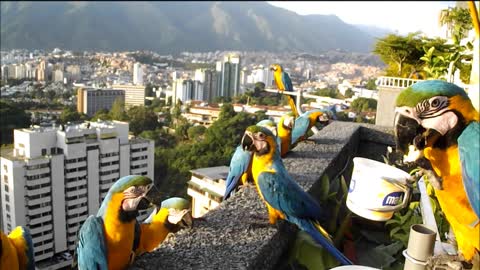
<point x="377" y="190"/>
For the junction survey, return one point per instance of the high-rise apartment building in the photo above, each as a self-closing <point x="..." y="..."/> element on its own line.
<point x="134" y="94"/>
<point x="73" y="72"/>
<point x="208" y="79"/>
<point x="42" y="71"/>
<point x="19" y="71"/>
<point x="55" y="177"/>
<point x="228" y="72"/>
<point x="5" y="72"/>
<point x="91" y="100"/>
<point x="137" y="74"/>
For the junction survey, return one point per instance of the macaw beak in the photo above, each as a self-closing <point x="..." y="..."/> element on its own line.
<point x="247" y="142"/>
<point x="406" y="130"/>
<point x="151" y="198"/>
<point x="272" y="67"/>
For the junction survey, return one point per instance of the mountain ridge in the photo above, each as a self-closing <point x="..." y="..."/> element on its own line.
<point x="169" y="27"/>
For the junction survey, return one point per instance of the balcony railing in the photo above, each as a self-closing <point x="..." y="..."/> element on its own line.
<point x="395" y="82"/>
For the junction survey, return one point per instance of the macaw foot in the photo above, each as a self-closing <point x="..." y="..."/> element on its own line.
<point x="446" y="262"/>
<point x="434" y="180"/>
<point x="309" y="141"/>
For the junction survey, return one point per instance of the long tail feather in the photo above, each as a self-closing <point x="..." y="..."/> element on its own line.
<point x="321" y="237"/>
<point x="291" y="101"/>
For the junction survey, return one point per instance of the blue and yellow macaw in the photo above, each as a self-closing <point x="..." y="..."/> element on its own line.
<point x="284" y="83"/>
<point x="284" y="198"/>
<point x="240" y="164"/>
<point x="437" y="121"/>
<point x="112" y="238"/>
<point x="284" y="138"/>
<point x="16" y="250"/>
<point x="305" y="122"/>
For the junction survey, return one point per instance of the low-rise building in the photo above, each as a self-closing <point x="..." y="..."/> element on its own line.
<point x="206" y="187"/>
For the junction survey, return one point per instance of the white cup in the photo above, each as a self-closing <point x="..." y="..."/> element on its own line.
<point x="377" y="190"/>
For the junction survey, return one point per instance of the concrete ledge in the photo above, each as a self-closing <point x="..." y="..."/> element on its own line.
<point x="236" y="235"/>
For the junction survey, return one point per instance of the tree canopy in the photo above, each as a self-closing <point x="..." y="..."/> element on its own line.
<point x="12" y="117"/>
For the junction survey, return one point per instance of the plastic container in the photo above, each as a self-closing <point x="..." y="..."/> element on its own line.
<point x="377" y="190"/>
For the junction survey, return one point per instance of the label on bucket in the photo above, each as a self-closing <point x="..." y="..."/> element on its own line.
<point x="393" y="199"/>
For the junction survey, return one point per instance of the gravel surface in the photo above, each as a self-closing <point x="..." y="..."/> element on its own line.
<point x="237" y="235"/>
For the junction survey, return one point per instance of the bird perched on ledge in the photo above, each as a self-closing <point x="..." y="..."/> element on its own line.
<point x="284" y="83"/>
<point x="284" y="198"/>
<point x="112" y="238"/>
<point x="305" y="122"/>
<point x="284" y="138"/>
<point x="437" y="121"/>
<point x="240" y="163"/>
<point x="16" y="250"/>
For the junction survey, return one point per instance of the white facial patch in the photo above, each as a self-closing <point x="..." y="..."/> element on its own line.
<point x="175" y="216"/>
<point x="442" y="123"/>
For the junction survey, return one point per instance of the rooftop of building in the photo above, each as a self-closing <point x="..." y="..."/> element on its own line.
<point x="213" y="173"/>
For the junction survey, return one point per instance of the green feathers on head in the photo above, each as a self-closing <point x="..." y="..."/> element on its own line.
<point x="128" y="181"/>
<point x="414" y="94"/>
<point x="255" y="129"/>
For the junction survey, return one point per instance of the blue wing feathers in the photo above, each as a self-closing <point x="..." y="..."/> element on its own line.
<point x="287" y="82"/>
<point x="286" y="195"/>
<point x="469" y="149"/>
<point x="91" y="249"/>
<point x="300" y="127"/>
<point x="308" y="227"/>
<point x="238" y="166"/>
<point x="29" y="249"/>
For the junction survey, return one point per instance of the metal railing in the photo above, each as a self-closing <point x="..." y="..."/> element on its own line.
<point x="298" y="102"/>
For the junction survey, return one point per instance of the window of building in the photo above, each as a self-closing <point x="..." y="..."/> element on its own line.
<point x="6" y="188"/>
<point x="5" y="168"/>
<point x="7" y="198"/>
<point x="44" y="151"/>
<point x="7" y="207"/>
<point x="5" y="179"/>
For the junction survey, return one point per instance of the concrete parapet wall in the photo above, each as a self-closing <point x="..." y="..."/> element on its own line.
<point x="236" y="235"/>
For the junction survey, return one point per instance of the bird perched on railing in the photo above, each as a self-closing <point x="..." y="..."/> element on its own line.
<point x="240" y="164"/>
<point x="284" y="138"/>
<point x="284" y="198"/>
<point x="437" y="121"/>
<point x="16" y="250"/>
<point x="112" y="238"/>
<point x="305" y="122"/>
<point x="284" y="83"/>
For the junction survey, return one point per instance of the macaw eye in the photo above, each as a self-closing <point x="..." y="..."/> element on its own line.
<point x="435" y="103"/>
<point x="261" y="135"/>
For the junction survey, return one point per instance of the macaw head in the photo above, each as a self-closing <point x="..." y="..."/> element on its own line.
<point x="21" y="239"/>
<point x="268" y="124"/>
<point x="331" y="112"/>
<point x="179" y="213"/>
<point x="287" y="120"/>
<point x="133" y="192"/>
<point x="318" y="116"/>
<point x="259" y="140"/>
<point x="276" y="67"/>
<point x="430" y="113"/>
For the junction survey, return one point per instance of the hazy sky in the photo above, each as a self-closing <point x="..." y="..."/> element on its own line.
<point x="403" y="16"/>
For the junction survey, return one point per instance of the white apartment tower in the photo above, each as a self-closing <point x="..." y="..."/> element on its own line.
<point x="55" y="177"/>
<point x="137" y="74"/>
